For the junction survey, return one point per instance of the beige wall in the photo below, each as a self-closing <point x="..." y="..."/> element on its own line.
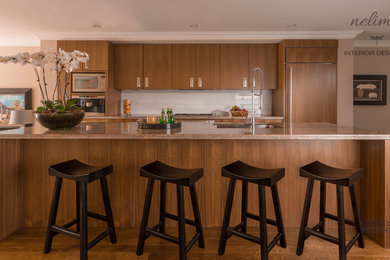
<point x="373" y="117"/>
<point x="18" y="76"/>
<point x="344" y="83"/>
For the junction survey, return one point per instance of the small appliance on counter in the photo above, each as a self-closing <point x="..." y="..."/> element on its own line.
<point x="94" y="105"/>
<point x="83" y="82"/>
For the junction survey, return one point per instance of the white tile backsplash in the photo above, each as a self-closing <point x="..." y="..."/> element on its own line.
<point x="151" y="101"/>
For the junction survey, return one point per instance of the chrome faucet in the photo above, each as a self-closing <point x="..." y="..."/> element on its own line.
<point x="253" y="96"/>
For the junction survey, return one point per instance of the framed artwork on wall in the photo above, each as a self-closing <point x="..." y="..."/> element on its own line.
<point x="369" y="90"/>
<point x="14" y="99"/>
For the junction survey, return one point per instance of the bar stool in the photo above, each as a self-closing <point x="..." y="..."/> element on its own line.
<point x="181" y="177"/>
<point x="262" y="177"/>
<point x="82" y="174"/>
<point x="341" y="177"/>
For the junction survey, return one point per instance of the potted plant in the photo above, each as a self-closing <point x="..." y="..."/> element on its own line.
<point x="58" y="111"/>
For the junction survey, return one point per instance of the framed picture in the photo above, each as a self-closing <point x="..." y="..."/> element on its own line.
<point x="14" y="99"/>
<point x="369" y="89"/>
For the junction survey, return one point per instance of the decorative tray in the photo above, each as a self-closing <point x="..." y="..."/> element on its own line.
<point x="142" y="124"/>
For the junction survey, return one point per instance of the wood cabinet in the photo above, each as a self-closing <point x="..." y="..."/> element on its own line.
<point x="311" y="92"/>
<point x="195" y="66"/>
<point x="157" y="66"/>
<point x="234" y="66"/>
<point x="128" y="66"/>
<point x="264" y="56"/>
<point x="307" y="90"/>
<point x="98" y="52"/>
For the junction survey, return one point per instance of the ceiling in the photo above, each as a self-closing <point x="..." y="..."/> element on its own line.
<point x="25" y="22"/>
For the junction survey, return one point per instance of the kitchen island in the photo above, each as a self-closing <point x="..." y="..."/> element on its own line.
<point x="26" y="188"/>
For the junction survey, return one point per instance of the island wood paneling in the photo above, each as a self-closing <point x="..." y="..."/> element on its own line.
<point x="127" y="188"/>
<point x="375" y="190"/>
<point x="10" y="193"/>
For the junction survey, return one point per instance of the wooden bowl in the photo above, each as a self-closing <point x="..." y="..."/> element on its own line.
<point x="239" y="113"/>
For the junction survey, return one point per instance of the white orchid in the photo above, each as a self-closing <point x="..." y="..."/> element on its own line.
<point x="23" y="58"/>
<point x="62" y="61"/>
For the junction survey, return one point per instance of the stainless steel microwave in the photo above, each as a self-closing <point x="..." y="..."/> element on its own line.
<point x="88" y="82"/>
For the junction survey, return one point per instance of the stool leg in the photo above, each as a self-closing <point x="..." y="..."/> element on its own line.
<point x="195" y="208"/>
<point x="145" y="217"/>
<point x="263" y="223"/>
<point x="78" y="206"/>
<point x="322" y="206"/>
<point x="107" y="207"/>
<point x="278" y="215"/>
<point x="226" y="217"/>
<point x="305" y="216"/>
<point x="181" y="223"/>
<point x="83" y="222"/>
<point x="244" y="206"/>
<point x="341" y="222"/>
<point x="163" y="194"/>
<point x="53" y="215"/>
<point x="356" y="216"/>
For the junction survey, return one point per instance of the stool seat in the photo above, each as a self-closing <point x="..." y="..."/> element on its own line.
<point x="166" y="173"/>
<point x="245" y="172"/>
<point x="322" y="172"/>
<point x="78" y="171"/>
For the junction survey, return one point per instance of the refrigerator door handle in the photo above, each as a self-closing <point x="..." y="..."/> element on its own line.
<point x="291" y="94"/>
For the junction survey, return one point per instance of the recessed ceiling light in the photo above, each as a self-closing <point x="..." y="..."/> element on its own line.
<point x="96" y="26"/>
<point x="291" y="25"/>
<point x="193" y="26"/>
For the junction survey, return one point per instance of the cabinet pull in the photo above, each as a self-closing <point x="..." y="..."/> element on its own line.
<point x="245" y="82"/>
<point x="138" y="82"/>
<point x="291" y="94"/>
<point x="146" y="82"/>
<point x="200" y="84"/>
<point x="191" y="82"/>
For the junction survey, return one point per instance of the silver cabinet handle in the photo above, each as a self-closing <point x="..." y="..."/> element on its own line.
<point x="138" y="82"/>
<point x="146" y="82"/>
<point x="200" y="83"/>
<point x="191" y="82"/>
<point x="291" y="94"/>
<point x="245" y="82"/>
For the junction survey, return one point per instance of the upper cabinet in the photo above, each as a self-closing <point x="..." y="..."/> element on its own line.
<point x="195" y="66"/>
<point x="264" y="56"/>
<point x="157" y="66"/>
<point x="234" y="66"/>
<point x="98" y="52"/>
<point x="128" y="66"/>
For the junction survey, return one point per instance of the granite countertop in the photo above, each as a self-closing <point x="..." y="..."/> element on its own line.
<point x="178" y="117"/>
<point x="194" y="130"/>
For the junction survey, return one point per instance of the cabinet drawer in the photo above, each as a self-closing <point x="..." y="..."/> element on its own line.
<point x="326" y="55"/>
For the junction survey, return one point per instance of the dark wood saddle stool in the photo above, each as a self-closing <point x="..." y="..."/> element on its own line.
<point x="341" y="177"/>
<point x="181" y="177"/>
<point x="82" y="174"/>
<point x="262" y="177"/>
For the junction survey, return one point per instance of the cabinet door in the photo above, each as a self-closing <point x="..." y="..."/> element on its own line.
<point x="183" y="66"/>
<point x="233" y="66"/>
<point x="264" y="56"/>
<point x="311" y="93"/>
<point x="207" y="66"/>
<point x="311" y="55"/>
<point x="97" y="51"/>
<point x="128" y="64"/>
<point x="158" y="66"/>
<point x="98" y="55"/>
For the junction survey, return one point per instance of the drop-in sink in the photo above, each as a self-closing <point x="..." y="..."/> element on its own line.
<point x="241" y="125"/>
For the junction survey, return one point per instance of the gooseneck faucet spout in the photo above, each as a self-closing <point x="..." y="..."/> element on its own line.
<point x="253" y="96"/>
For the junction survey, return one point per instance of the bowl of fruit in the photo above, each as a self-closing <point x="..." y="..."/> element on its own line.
<point x="236" y="111"/>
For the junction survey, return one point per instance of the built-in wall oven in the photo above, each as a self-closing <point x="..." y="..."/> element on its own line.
<point x="94" y="105"/>
<point x="85" y="82"/>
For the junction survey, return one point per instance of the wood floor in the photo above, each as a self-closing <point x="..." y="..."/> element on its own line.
<point x="28" y="244"/>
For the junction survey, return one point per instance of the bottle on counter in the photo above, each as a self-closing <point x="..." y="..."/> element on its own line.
<point x="127" y="107"/>
<point x="163" y="117"/>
